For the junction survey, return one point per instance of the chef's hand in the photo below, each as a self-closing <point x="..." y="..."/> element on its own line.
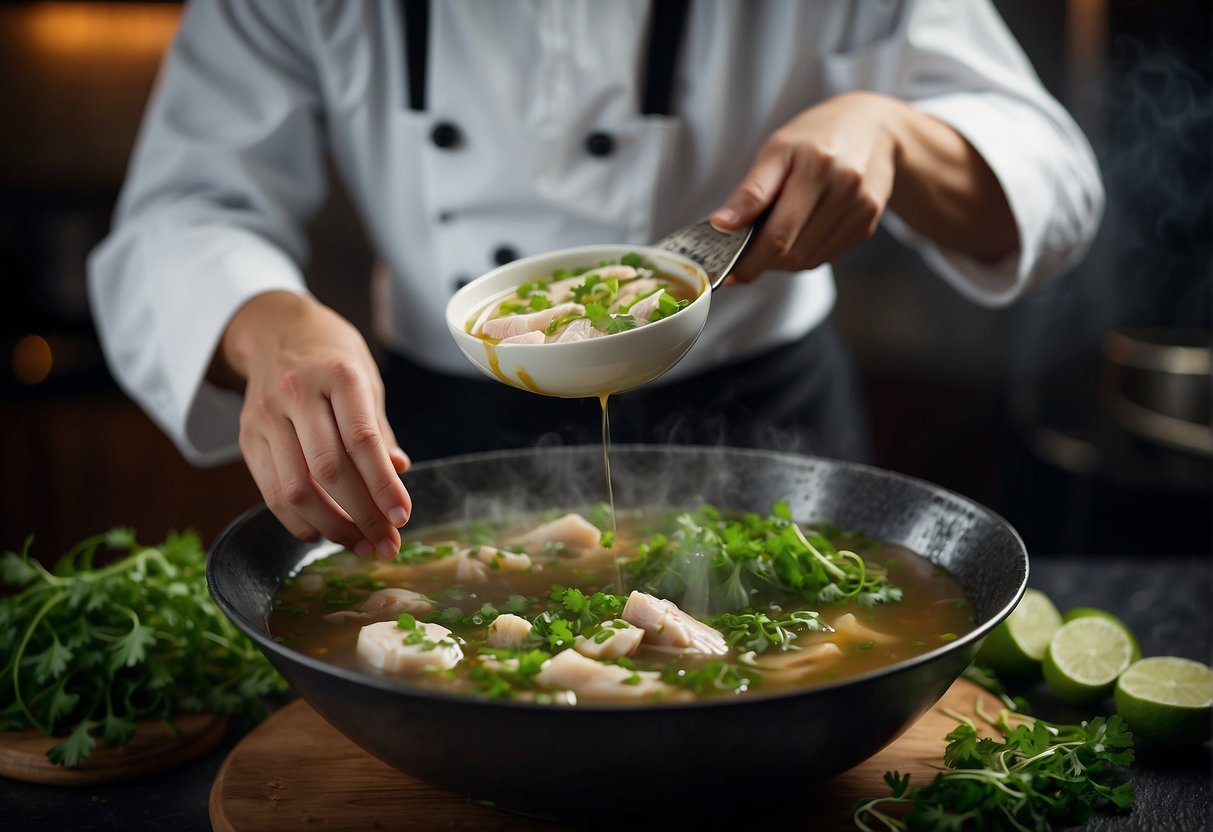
<point x="313" y="427"/>
<point x="829" y="174"/>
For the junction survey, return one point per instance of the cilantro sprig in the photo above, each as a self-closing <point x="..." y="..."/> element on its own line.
<point x="1031" y="775"/>
<point x="758" y="632"/>
<point x="86" y="651"/>
<point x="736" y="564"/>
<point x="1037" y="777"/>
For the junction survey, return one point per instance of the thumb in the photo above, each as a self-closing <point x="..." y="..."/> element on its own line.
<point x="755" y="193"/>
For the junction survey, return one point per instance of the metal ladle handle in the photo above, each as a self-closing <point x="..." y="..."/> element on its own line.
<point x="715" y="250"/>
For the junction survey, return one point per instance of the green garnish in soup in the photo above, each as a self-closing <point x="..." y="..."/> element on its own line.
<point x="582" y="303"/>
<point x="683" y="605"/>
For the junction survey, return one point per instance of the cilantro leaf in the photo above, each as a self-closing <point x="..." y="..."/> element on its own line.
<point x="78" y="745"/>
<point x="131" y="649"/>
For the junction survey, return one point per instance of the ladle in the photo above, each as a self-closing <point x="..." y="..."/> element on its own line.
<point x="699" y="255"/>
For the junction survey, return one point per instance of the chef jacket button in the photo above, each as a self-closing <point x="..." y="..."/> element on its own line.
<point x="600" y="144"/>
<point x="503" y="255"/>
<point x="445" y="135"/>
<point x="461" y="281"/>
<point x="446" y="216"/>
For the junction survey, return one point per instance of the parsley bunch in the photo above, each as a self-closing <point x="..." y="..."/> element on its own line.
<point x="725" y="564"/>
<point x="86" y="652"/>
<point x="1039" y="776"/>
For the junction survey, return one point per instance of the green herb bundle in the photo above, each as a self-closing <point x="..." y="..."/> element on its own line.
<point x="1039" y="776"/>
<point x="87" y="651"/>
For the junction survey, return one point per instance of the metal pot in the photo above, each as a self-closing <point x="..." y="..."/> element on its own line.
<point x="593" y="761"/>
<point x="1157" y="386"/>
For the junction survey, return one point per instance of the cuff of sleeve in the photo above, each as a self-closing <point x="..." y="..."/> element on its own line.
<point x="163" y="298"/>
<point x="1000" y="139"/>
<point x="227" y="267"/>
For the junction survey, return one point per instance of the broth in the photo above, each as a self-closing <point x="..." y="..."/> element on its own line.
<point x="767" y="635"/>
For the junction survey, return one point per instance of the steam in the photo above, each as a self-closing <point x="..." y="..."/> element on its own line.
<point x="1156" y="163"/>
<point x="1150" y="263"/>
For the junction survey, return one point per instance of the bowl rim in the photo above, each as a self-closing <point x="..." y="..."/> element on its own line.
<point x="752" y="699"/>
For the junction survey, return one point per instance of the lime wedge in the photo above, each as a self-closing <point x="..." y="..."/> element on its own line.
<point x="1017" y="645"/>
<point x="1085" y="657"/>
<point x="1167" y="700"/>
<point x="1093" y="612"/>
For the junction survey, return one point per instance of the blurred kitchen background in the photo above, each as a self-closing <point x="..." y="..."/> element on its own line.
<point x="1081" y="415"/>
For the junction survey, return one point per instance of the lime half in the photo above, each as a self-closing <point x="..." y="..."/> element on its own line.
<point x="1017" y="645"/>
<point x="1167" y="700"/>
<point x="1092" y="612"/>
<point x="1085" y="657"/>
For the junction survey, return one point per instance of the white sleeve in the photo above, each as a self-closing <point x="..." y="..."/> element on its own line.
<point x="956" y="60"/>
<point x="226" y="171"/>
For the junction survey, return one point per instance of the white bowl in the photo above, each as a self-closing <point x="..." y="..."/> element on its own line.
<point x="579" y="369"/>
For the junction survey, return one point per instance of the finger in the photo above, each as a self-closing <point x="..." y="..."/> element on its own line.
<point x="846" y="236"/>
<point x="780" y="235"/>
<point x="362" y="431"/>
<point x="844" y="217"/>
<point x="260" y="464"/>
<point x="326" y="457"/>
<point x="400" y="460"/>
<point x="302" y="493"/>
<point x="757" y="190"/>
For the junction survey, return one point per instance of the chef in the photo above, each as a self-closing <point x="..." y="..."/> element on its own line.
<point x="471" y="133"/>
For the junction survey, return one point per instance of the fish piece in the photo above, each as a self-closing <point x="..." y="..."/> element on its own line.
<point x="593" y="681"/>
<point x="621" y="639"/>
<point x="664" y="623"/>
<point x="511" y="325"/>
<point x="849" y="630"/>
<point x="386" y="603"/>
<point x="636" y="287"/>
<point x="508" y="630"/>
<point x="812" y="657"/>
<point x="571" y="534"/>
<point x="382" y="645"/>
<point x="579" y="330"/>
<point x="499" y="559"/>
<point x="535" y="336"/>
<point x="643" y="309"/>
<point x="468" y="569"/>
<point x="561" y="291"/>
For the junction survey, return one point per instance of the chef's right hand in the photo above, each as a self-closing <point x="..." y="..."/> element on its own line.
<point x="313" y="428"/>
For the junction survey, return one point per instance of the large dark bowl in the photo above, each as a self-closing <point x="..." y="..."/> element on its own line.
<point x="557" y="761"/>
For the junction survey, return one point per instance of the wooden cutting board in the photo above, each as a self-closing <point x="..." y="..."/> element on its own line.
<point x="153" y="748"/>
<point x="295" y="771"/>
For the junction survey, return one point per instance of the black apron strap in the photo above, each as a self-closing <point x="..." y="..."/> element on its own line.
<point x="416" y="21"/>
<point x="666" y="24"/>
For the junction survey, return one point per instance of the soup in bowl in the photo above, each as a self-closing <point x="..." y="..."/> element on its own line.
<point x="582" y="322"/>
<point x="688" y="710"/>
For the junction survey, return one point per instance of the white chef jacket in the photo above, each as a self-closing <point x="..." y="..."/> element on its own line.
<point x="229" y="163"/>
